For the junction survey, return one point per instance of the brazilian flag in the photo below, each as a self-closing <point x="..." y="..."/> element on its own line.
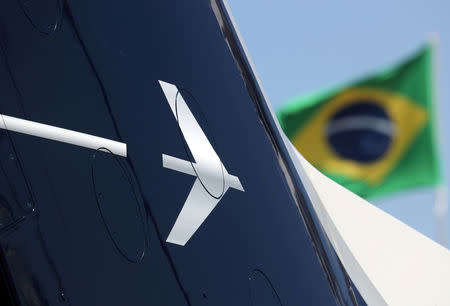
<point x="374" y="136"/>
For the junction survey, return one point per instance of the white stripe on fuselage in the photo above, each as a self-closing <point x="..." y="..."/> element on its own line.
<point x="62" y="135"/>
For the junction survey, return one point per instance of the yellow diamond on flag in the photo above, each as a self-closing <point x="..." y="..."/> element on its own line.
<point x="329" y="137"/>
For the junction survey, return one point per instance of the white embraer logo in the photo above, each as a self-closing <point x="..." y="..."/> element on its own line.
<point x="212" y="179"/>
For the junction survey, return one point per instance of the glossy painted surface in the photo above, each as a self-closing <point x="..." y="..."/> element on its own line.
<point x="68" y="215"/>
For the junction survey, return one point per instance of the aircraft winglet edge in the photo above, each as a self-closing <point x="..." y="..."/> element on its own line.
<point x="389" y="262"/>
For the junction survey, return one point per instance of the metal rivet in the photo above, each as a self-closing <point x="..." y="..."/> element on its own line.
<point x="62" y="297"/>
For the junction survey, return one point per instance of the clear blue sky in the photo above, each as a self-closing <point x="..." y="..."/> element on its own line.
<point x="298" y="46"/>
